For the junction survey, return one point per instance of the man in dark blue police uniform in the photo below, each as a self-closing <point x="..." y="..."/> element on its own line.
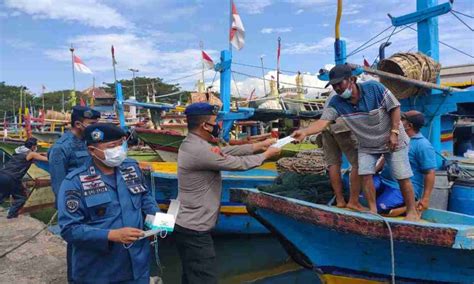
<point x="101" y="208"/>
<point x="70" y="151"/>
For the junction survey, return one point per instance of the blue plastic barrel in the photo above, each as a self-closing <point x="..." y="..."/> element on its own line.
<point x="461" y="199"/>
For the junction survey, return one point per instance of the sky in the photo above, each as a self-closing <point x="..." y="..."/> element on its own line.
<point x="162" y="38"/>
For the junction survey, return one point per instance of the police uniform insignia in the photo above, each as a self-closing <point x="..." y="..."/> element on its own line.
<point x="92" y="185"/>
<point x="87" y="114"/>
<point x="215" y="109"/>
<point x="132" y="180"/>
<point x="72" y="201"/>
<point x="97" y="135"/>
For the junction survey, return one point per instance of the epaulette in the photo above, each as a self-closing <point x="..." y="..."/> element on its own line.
<point x="130" y="160"/>
<point x="75" y="172"/>
<point x="61" y="139"/>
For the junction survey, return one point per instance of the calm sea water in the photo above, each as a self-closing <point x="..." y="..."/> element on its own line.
<point x="240" y="259"/>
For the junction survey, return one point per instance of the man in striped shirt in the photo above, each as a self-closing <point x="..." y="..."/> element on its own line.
<point x="373" y="114"/>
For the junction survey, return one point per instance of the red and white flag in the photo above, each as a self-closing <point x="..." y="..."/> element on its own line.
<point x="80" y="66"/>
<point x="366" y="63"/>
<point x="207" y="60"/>
<point x="237" y="31"/>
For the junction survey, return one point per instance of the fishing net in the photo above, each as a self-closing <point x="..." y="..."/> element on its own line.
<point x="302" y="177"/>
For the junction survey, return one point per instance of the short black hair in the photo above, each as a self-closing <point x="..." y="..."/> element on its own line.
<point x="76" y="117"/>
<point x="30" y="142"/>
<point x="196" y="120"/>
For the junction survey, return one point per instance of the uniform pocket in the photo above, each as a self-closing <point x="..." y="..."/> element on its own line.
<point x="100" y="206"/>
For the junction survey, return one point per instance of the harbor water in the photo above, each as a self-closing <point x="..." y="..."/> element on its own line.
<point x="240" y="259"/>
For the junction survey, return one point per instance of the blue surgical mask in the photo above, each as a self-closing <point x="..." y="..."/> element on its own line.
<point x="347" y="94"/>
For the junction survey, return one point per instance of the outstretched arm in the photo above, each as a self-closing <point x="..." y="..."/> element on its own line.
<point x="36" y="156"/>
<point x="314" y="128"/>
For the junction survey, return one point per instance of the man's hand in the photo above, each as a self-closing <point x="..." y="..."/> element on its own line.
<point x="125" y="235"/>
<point x="423" y="204"/>
<point x="393" y="141"/>
<point x="299" y="135"/>
<point x="271" y="152"/>
<point x="263" y="146"/>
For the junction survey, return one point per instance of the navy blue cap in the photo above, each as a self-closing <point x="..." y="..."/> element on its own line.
<point x="201" y="109"/>
<point x="339" y="73"/>
<point x="80" y="112"/>
<point x="103" y="132"/>
<point x="414" y="117"/>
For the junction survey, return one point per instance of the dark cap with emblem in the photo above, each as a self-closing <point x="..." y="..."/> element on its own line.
<point x="201" y="109"/>
<point x="339" y="73"/>
<point x="103" y="132"/>
<point x="81" y="112"/>
<point x="414" y="117"/>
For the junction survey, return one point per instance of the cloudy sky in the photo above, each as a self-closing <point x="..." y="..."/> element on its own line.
<point x="161" y="37"/>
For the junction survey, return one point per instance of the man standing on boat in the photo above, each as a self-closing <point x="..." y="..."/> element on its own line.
<point x="373" y="114"/>
<point x="423" y="164"/>
<point x="200" y="185"/>
<point x="70" y="151"/>
<point x="14" y="171"/>
<point x="101" y="207"/>
<point x="337" y="139"/>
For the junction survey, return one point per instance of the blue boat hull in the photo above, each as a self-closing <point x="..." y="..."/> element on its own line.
<point x="324" y="246"/>
<point x="233" y="218"/>
<point x="335" y="253"/>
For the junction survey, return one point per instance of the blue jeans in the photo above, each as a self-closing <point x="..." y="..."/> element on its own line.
<point x="11" y="187"/>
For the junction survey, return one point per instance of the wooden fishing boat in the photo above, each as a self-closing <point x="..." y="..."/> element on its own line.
<point x="342" y="246"/>
<point x="233" y="217"/>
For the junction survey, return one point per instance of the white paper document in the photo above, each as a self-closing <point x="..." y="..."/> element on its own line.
<point x="283" y="141"/>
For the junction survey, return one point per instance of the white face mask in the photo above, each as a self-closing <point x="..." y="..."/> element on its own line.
<point x="114" y="157"/>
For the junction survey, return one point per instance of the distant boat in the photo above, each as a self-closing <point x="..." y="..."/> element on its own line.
<point x="351" y="247"/>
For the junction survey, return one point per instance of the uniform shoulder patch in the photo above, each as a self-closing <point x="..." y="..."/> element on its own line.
<point x="73" y="199"/>
<point x="75" y="172"/>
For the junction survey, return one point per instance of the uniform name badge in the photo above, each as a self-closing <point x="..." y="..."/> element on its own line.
<point x="132" y="180"/>
<point x="93" y="185"/>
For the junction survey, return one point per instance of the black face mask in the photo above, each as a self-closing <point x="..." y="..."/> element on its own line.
<point x="216" y="129"/>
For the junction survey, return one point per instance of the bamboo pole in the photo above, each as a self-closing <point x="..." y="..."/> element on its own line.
<point x="418" y="83"/>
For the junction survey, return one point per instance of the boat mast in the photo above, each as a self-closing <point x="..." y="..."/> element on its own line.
<point x="73" y="93"/>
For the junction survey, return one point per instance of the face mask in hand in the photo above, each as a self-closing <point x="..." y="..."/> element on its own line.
<point x="114" y="157"/>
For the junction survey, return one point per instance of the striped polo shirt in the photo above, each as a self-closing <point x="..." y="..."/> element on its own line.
<point x="369" y="119"/>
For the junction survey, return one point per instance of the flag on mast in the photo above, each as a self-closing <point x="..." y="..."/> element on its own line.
<point x="80" y="66"/>
<point x="366" y="63"/>
<point x="207" y="60"/>
<point x="237" y="31"/>
<point x="113" y="55"/>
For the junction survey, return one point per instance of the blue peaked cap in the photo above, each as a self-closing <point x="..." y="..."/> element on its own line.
<point x="102" y="132"/>
<point x="201" y="109"/>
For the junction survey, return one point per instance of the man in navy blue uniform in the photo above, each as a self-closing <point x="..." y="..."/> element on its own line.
<point x="101" y="208"/>
<point x="70" y="151"/>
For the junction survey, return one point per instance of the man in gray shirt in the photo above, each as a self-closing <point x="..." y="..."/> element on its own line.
<point x="200" y="186"/>
<point x="373" y="114"/>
